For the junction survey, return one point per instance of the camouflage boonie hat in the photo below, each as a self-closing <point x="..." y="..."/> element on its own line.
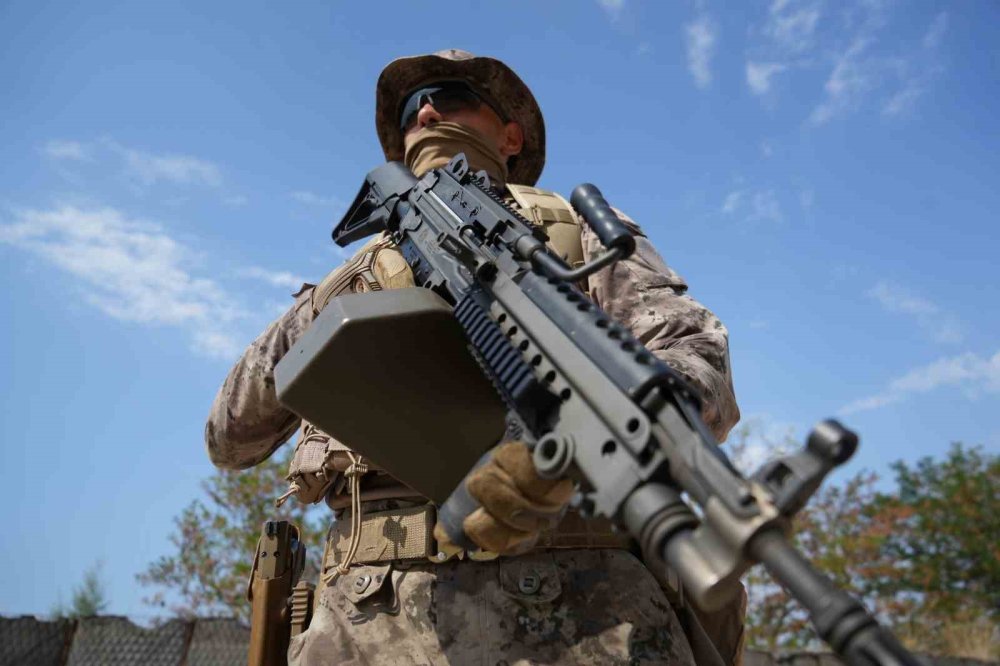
<point x="497" y="81"/>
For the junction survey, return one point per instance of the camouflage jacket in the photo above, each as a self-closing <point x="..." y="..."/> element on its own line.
<point x="247" y="424"/>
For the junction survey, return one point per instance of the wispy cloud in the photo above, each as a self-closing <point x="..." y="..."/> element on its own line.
<point x="785" y="39"/>
<point x="851" y="78"/>
<point x="733" y="201"/>
<point x="612" y="7"/>
<point x="67" y="150"/>
<point x="131" y="270"/>
<point x="931" y="318"/>
<point x="699" y="38"/>
<point x="893" y="79"/>
<point x="915" y="74"/>
<point x="764" y="205"/>
<point x="151" y="168"/>
<point x="759" y="205"/>
<point x="903" y="100"/>
<point x="974" y="374"/>
<point x="313" y="199"/>
<point x="141" y="167"/>
<point x="935" y="33"/>
<point x="283" y="279"/>
<point x="866" y="65"/>
<point x="791" y="25"/>
<point x="759" y="75"/>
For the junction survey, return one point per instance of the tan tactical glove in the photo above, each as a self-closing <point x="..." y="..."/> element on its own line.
<point x="516" y="505"/>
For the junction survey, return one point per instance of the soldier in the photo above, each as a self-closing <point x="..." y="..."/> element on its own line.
<point x="563" y="590"/>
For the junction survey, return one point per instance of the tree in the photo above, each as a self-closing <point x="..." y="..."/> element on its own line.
<point x="943" y="546"/>
<point x="89" y="598"/>
<point x="925" y="558"/>
<point x="215" y="541"/>
<point x="832" y="531"/>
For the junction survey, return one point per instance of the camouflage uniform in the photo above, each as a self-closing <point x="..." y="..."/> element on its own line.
<point x="590" y="606"/>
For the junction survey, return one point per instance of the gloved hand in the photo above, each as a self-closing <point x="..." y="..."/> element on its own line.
<point x="516" y="505"/>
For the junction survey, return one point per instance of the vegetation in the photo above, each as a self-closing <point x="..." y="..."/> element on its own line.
<point x="215" y="541"/>
<point x="89" y="599"/>
<point x="925" y="556"/>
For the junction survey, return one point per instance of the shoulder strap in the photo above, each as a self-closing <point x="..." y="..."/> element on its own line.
<point x="554" y="214"/>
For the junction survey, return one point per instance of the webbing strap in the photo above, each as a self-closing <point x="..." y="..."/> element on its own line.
<point x="399" y="534"/>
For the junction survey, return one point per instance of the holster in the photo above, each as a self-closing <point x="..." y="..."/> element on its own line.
<point x="280" y="604"/>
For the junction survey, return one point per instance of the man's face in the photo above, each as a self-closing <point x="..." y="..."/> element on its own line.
<point x="506" y="137"/>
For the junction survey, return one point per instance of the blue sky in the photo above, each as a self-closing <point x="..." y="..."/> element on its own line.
<point x="822" y="173"/>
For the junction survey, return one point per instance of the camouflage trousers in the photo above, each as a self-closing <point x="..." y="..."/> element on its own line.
<point x="553" y="607"/>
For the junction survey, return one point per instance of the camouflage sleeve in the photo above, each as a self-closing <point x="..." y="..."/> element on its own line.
<point x="650" y="298"/>
<point x="247" y="423"/>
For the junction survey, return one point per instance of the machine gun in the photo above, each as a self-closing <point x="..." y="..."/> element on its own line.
<point x="575" y="384"/>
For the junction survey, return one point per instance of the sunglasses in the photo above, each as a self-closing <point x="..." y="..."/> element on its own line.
<point x="446" y="97"/>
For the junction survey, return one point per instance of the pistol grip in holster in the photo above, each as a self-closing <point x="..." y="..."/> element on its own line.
<point x="280" y="604"/>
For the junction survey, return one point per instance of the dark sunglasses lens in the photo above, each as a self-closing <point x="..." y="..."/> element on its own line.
<point x="444" y="100"/>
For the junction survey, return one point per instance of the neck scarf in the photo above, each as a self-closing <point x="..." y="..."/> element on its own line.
<point x="433" y="147"/>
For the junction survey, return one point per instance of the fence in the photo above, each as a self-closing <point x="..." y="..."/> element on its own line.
<point x="116" y="641"/>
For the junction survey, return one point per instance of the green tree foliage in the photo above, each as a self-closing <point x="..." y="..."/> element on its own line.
<point x="215" y="539"/>
<point x="89" y="598"/>
<point x="926" y="558"/>
<point x="942" y="540"/>
<point x="832" y="531"/>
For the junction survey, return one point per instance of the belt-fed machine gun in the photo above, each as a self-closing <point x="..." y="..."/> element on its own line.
<point x="495" y="313"/>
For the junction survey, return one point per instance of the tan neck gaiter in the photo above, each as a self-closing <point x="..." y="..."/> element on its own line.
<point x="433" y="147"/>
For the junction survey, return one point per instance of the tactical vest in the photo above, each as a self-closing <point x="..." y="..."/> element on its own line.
<point x="318" y="467"/>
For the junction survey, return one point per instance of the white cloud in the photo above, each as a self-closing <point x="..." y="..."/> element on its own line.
<point x="67" y="150"/>
<point x="934" y="34"/>
<point x="312" y="199"/>
<point x="612" y="7"/>
<point x="235" y="200"/>
<point x="792" y="25"/>
<point x="940" y="325"/>
<point x="973" y="373"/>
<point x="903" y="101"/>
<point x="916" y="76"/>
<point x="766" y="149"/>
<point x="151" y="168"/>
<point x="851" y="78"/>
<point x="131" y="270"/>
<point x="759" y="205"/>
<point x="733" y="201"/>
<point x="700" y="37"/>
<point x="283" y="279"/>
<point x="785" y="41"/>
<point x="765" y="206"/>
<point x="859" y="72"/>
<point x="759" y="75"/>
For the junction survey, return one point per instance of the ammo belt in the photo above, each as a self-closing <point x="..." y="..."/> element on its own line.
<point x="408" y="534"/>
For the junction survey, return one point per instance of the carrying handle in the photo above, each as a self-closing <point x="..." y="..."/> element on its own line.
<point x="599" y="216"/>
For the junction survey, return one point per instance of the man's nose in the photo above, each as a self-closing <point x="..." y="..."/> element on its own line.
<point x="428" y="115"/>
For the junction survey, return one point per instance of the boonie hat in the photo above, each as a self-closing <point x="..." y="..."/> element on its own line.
<point x="497" y="81"/>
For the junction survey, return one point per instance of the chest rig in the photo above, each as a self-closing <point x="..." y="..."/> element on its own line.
<point x="321" y="466"/>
